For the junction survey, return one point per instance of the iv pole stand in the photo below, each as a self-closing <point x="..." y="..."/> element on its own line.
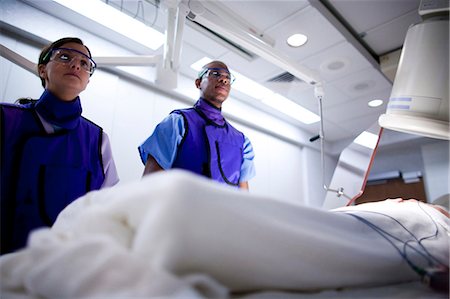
<point x="318" y="93"/>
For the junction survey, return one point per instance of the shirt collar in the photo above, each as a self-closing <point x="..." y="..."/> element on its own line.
<point x="211" y="112"/>
<point x="58" y="112"/>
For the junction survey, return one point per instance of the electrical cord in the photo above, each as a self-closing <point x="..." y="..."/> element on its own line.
<point x="436" y="275"/>
<point x="425" y="252"/>
<point x="385" y="235"/>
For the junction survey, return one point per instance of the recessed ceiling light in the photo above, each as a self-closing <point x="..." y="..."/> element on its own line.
<point x="375" y="103"/>
<point x="336" y="65"/>
<point x="363" y="86"/>
<point x="297" y="40"/>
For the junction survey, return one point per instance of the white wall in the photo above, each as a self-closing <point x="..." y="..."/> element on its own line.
<point x="436" y="169"/>
<point x="313" y="190"/>
<point x="278" y="167"/>
<point x="348" y="176"/>
<point x="403" y="159"/>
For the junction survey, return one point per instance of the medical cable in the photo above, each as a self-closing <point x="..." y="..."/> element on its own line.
<point x="419" y="241"/>
<point x="429" y="237"/>
<point x="435" y="276"/>
<point x="385" y="235"/>
<point x="426" y="254"/>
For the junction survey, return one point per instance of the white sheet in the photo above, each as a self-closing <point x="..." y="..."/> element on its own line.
<point x="175" y="235"/>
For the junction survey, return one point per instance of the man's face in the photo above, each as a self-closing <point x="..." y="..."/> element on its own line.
<point x="215" y="84"/>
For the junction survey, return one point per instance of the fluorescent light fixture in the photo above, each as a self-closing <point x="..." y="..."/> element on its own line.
<point x="274" y="100"/>
<point x="367" y="139"/>
<point x="249" y="87"/>
<point x="297" y="40"/>
<point x="200" y="63"/>
<point x="112" y="18"/>
<point x="290" y="108"/>
<point x="375" y="103"/>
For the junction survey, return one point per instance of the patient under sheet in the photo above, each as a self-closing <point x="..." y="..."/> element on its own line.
<point x="176" y="235"/>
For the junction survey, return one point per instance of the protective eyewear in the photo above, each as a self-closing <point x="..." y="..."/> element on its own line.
<point x="216" y="73"/>
<point x="67" y="56"/>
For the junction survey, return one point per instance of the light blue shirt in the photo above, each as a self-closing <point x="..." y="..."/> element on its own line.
<point x="163" y="144"/>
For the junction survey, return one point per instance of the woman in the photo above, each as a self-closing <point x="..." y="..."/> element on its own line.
<point x="50" y="154"/>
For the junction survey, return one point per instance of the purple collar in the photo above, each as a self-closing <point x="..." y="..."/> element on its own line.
<point x="58" y="112"/>
<point x="211" y="112"/>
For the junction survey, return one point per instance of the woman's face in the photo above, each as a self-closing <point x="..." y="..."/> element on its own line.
<point x="66" y="80"/>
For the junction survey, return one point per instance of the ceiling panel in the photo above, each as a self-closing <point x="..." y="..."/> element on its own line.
<point x="336" y="61"/>
<point x="332" y="96"/>
<point x="354" y="109"/>
<point x="385" y="37"/>
<point x="365" y="15"/>
<point x="320" y="32"/>
<point x="264" y="14"/>
<point x="380" y="25"/>
<point x="362" y="83"/>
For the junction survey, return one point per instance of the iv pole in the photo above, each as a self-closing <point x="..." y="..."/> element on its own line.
<point x="318" y="93"/>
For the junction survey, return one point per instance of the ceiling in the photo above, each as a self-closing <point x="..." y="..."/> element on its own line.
<point x="350" y="44"/>
<point x="347" y="40"/>
<point x="353" y="48"/>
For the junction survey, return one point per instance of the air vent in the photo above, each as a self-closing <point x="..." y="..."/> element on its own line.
<point x="285" y="77"/>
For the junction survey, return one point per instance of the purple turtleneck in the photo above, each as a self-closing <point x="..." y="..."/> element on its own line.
<point x="213" y="113"/>
<point x="58" y="112"/>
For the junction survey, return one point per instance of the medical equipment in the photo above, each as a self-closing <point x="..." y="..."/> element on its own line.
<point x="436" y="274"/>
<point x="419" y="102"/>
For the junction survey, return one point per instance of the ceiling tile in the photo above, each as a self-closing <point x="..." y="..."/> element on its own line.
<point x="356" y="108"/>
<point x="390" y="36"/>
<point x="362" y="83"/>
<point x="320" y="32"/>
<point x="364" y="15"/>
<point x="336" y="62"/>
<point x="262" y="13"/>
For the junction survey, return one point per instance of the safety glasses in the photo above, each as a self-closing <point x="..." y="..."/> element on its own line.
<point x="67" y="56"/>
<point x="217" y="73"/>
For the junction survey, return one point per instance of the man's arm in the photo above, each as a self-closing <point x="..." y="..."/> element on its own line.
<point x="151" y="166"/>
<point x="247" y="166"/>
<point x="243" y="185"/>
<point x="162" y="144"/>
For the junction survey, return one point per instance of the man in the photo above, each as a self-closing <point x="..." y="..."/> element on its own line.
<point x="199" y="139"/>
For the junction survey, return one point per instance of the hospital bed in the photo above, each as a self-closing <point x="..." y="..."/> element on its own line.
<point x="177" y="235"/>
